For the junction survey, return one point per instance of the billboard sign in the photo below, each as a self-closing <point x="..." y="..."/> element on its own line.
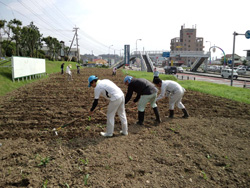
<point x="26" y="66"/>
<point x="166" y="54"/>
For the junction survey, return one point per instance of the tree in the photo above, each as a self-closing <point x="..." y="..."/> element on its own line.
<point x="2" y="25"/>
<point x="14" y="25"/>
<point x="48" y="41"/>
<point x="245" y="62"/>
<point x="31" y="39"/>
<point x="8" y="48"/>
<point x="57" y="46"/>
<point x="53" y="45"/>
<point x="66" y="49"/>
<point x="222" y="60"/>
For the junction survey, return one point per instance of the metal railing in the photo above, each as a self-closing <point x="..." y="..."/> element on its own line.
<point x="143" y="64"/>
<point x="175" y="53"/>
<point x="150" y="62"/>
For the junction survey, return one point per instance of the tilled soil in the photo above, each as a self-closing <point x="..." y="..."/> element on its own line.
<point x="209" y="149"/>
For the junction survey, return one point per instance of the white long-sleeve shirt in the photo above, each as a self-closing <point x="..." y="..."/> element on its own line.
<point x="169" y="87"/>
<point x="108" y="90"/>
<point x="68" y="71"/>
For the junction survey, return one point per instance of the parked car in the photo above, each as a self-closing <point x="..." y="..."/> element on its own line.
<point x="180" y="69"/>
<point x="241" y="71"/>
<point x="227" y="73"/>
<point x="170" y="70"/>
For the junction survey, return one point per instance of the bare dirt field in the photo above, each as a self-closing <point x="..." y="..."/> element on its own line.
<point x="210" y="149"/>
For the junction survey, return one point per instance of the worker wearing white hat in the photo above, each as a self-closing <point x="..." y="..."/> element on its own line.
<point x="68" y="72"/>
<point x="112" y="92"/>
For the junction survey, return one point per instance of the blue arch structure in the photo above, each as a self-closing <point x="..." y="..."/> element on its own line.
<point x="221" y="50"/>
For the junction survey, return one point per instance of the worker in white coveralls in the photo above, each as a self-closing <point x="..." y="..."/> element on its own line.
<point x="68" y="72"/>
<point x="112" y="92"/>
<point x="175" y="92"/>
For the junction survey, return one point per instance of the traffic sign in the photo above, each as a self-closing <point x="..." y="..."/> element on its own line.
<point x="166" y="54"/>
<point x="247" y="34"/>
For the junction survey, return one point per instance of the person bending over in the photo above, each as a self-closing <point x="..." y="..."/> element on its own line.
<point x="175" y="92"/>
<point x="146" y="92"/>
<point x="114" y="94"/>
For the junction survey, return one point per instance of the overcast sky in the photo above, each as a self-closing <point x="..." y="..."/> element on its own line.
<point x="103" y="23"/>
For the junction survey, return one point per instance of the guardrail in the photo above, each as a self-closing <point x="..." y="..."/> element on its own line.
<point x="182" y="77"/>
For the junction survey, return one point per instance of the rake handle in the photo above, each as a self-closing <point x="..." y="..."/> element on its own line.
<point x="68" y="123"/>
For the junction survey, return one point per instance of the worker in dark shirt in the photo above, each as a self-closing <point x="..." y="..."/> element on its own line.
<point x="62" y="66"/>
<point x="146" y="92"/>
<point x="78" y="68"/>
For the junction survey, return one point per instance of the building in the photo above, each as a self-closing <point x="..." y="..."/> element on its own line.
<point x="248" y="55"/>
<point x="186" y="42"/>
<point x="237" y="59"/>
<point x="63" y="51"/>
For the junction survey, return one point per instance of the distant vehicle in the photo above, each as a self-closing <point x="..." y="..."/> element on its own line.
<point x="241" y="71"/>
<point x="170" y="70"/>
<point x="180" y="69"/>
<point x="227" y="73"/>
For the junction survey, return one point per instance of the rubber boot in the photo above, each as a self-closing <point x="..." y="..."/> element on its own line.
<point x="185" y="113"/>
<point x="140" y="118"/>
<point x="171" y="114"/>
<point x="158" y="119"/>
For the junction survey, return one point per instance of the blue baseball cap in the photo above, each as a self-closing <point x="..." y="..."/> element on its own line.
<point x="128" y="78"/>
<point x="91" y="78"/>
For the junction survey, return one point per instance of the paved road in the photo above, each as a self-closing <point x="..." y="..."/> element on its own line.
<point x="214" y="78"/>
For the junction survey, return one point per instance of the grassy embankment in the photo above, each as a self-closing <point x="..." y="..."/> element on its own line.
<point x="233" y="93"/>
<point x="6" y="84"/>
<point x="221" y="90"/>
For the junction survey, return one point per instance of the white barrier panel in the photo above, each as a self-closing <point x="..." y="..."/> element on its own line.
<point x="25" y="66"/>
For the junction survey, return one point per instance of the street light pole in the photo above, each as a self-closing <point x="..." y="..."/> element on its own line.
<point x="209" y="52"/>
<point x="235" y="34"/>
<point x="232" y="73"/>
<point x="109" y="56"/>
<point x="209" y="56"/>
<point x="136" y="44"/>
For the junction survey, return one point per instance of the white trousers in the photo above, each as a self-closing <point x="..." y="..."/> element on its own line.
<point x="69" y="76"/>
<point x="176" y="99"/>
<point x="119" y="107"/>
<point x="145" y="99"/>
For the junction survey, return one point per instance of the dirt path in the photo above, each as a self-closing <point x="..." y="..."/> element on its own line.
<point x="210" y="149"/>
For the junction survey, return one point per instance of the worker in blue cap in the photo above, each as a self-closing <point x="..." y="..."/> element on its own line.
<point x="146" y="92"/>
<point x="109" y="90"/>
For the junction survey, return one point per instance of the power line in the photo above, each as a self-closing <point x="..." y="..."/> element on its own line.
<point x="48" y="15"/>
<point x="81" y="33"/>
<point x="9" y="7"/>
<point x="58" y="10"/>
<point x="86" y="41"/>
<point x="39" y="17"/>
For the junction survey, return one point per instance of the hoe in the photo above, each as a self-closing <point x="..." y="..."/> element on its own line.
<point x="68" y="123"/>
<point x="65" y="125"/>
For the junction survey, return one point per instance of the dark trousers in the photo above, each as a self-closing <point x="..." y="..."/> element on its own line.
<point x="155" y="78"/>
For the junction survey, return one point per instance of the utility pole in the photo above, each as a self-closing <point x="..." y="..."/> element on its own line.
<point x="75" y="35"/>
<point x="78" y="55"/>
